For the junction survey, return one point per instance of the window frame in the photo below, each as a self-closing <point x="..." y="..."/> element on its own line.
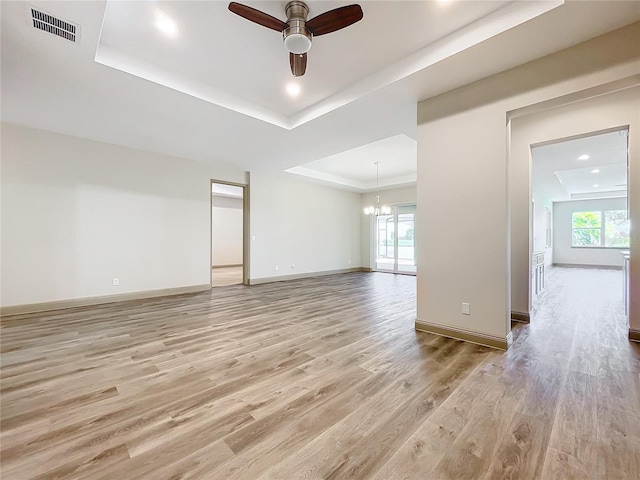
<point x="602" y="228"/>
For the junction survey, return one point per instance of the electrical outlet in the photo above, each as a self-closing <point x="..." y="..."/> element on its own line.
<point x="293" y="265"/>
<point x="349" y="261"/>
<point x="277" y="268"/>
<point x="466" y="309"/>
<point x="116" y="282"/>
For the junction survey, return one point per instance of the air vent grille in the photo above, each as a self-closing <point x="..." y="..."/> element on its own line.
<point x="48" y="23"/>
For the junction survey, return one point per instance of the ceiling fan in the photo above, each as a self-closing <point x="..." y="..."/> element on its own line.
<point x="297" y="31"/>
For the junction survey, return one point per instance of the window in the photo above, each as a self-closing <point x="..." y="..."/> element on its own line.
<point x="616" y="228"/>
<point x="608" y="228"/>
<point x="587" y="229"/>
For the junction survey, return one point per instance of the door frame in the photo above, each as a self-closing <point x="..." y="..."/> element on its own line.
<point x="611" y="116"/>
<point x="245" y="228"/>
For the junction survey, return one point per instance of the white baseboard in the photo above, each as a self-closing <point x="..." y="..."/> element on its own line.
<point x="83" y="302"/>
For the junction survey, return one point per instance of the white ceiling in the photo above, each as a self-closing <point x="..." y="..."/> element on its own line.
<point x="559" y="174"/>
<point x="356" y="169"/>
<point x="358" y="90"/>
<point x="205" y="59"/>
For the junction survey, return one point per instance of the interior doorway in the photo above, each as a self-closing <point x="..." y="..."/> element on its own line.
<point x="395" y="240"/>
<point x="228" y="233"/>
<point x="580" y="217"/>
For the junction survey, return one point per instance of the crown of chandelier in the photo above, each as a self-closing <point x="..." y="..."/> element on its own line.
<point x="377" y="209"/>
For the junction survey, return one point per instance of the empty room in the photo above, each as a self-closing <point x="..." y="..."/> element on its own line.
<point x="282" y="240"/>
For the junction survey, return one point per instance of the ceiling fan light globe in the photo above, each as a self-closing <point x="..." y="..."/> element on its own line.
<point x="297" y="43"/>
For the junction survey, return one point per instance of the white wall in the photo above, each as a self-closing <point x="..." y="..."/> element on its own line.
<point x="541" y="205"/>
<point x="601" y="112"/>
<point x="391" y="197"/>
<point x="313" y="227"/>
<point x="226" y="231"/>
<point x="464" y="245"/>
<point x="77" y="213"/>
<point x="564" y="253"/>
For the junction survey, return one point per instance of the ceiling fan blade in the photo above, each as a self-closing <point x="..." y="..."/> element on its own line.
<point x="257" y="16"/>
<point x="298" y="64"/>
<point x="335" y="20"/>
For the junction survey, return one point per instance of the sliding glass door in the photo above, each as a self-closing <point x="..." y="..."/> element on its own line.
<point x="386" y="242"/>
<point x="395" y="240"/>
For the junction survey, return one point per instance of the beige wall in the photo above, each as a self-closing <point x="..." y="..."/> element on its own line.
<point x="301" y="227"/>
<point x="463" y="147"/>
<point x="77" y="213"/>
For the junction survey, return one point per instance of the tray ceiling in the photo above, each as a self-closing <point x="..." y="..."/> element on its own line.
<point x="224" y="59"/>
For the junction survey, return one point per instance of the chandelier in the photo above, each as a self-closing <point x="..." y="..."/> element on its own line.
<point x="377" y="209"/>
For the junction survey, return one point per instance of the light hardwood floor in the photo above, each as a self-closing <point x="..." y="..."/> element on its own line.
<point x="320" y="378"/>
<point x="224" y="276"/>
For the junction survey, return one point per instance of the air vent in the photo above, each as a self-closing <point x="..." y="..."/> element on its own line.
<point x="48" y="23"/>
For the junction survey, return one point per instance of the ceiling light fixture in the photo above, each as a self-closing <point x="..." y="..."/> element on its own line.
<point x="377" y="209"/>
<point x="595" y="185"/>
<point x="293" y="89"/>
<point x="583" y="157"/>
<point x="297" y="31"/>
<point x="297" y="37"/>
<point x="595" y="170"/>
<point x="165" y="24"/>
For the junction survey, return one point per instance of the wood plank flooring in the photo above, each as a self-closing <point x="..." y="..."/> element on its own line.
<point x="224" y="276"/>
<point x="321" y="378"/>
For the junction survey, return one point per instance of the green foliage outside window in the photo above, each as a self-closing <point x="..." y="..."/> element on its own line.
<point x="587" y="229"/>
<point x="616" y="228"/>
<point x="600" y="229"/>
<point x="587" y="219"/>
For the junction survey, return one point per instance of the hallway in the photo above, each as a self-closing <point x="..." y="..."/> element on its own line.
<point x="588" y="373"/>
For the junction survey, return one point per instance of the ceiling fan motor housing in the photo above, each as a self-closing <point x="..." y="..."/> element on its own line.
<point x="297" y="38"/>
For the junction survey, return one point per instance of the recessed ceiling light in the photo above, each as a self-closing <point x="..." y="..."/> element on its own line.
<point x="165" y="24"/>
<point x="293" y="89"/>
<point x="595" y="185"/>
<point x="595" y="170"/>
<point x="583" y="157"/>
